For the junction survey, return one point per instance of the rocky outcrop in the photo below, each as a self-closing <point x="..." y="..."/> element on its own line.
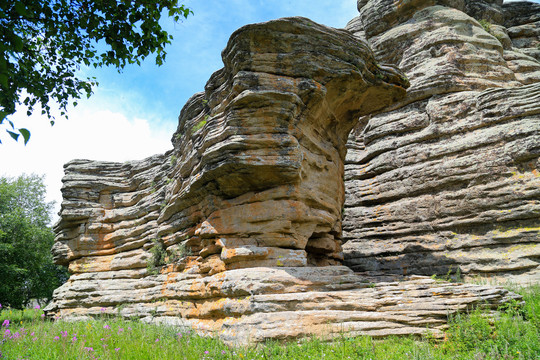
<point x="447" y="179"/>
<point x="237" y="231"/>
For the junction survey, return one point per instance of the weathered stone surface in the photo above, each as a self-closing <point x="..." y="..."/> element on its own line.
<point x="252" y="305"/>
<point x="448" y="178"/>
<point x="248" y="206"/>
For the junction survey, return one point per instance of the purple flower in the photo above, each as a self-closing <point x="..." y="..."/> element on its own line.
<point x="43" y="316"/>
<point x="64" y="333"/>
<point x="37" y="307"/>
<point x="89" y="349"/>
<point x="102" y="339"/>
<point x="106" y="326"/>
<point x="5" y="323"/>
<point x="179" y="335"/>
<point x="16" y="335"/>
<point x="157" y="340"/>
<point x="103" y="309"/>
<point x="120" y="330"/>
<point x="7" y="333"/>
<point x="34" y="339"/>
<point x="74" y="338"/>
<point x="206" y="352"/>
<point x="56" y="338"/>
<point x="0" y="306"/>
<point x="32" y="333"/>
<point x="117" y="349"/>
<point x="223" y="352"/>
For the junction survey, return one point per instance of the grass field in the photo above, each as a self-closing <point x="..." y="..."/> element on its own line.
<point x="513" y="334"/>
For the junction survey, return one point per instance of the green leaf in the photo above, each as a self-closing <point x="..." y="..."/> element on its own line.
<point x="4" y="80"/>
<point x="15" y="136"/>
<point x="20" y="8"/>
<point x="26" y="135"/>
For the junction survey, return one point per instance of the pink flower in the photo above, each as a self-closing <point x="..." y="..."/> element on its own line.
<point x="157" y="340"/>
<point x="7" y="333"/>
<point x="206" y="352"/>
<point x="37" y="307"/>
<point x="74" y="338"/>
<point x="102" y="339"/>
<point x="117" y="349"/>
<point x="63" y="333"/>
<point x="89" y="349"/>
<point x="106" y="326"/>
<point x="103" y="309"/>
<point x="42" y="316"/>
<point x="16" y="335"/>
<point x="5" y="323"/>
<point x="120" y="330"/>
<point x="32" y="333"/>
<point x="56" y="338"/>
<point x="223" y="352"/>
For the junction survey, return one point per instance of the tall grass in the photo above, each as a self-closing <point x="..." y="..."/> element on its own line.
<point x="513" y="334"/>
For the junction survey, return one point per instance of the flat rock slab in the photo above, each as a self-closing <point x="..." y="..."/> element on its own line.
<point x="253" y="305"/>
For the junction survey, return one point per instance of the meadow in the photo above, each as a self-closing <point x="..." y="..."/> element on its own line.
<point x="514" y="333"/>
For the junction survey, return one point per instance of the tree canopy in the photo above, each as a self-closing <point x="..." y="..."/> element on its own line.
<point x="26" y="266"/>
<point x="43" y="43"/>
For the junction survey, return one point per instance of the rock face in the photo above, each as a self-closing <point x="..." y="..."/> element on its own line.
<point x="447" y="179"/>
<point x="237" y="231"/>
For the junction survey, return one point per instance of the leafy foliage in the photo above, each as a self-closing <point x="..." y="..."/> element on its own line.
<point x="44" y="42"/>
<point x="26" y="267"/>
<point x="157" y="258"/>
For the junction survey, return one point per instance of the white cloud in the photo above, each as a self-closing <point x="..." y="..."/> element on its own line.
<point x="92" y="132"/>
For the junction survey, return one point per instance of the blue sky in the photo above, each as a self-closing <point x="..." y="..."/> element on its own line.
<point x="133" y="115"/>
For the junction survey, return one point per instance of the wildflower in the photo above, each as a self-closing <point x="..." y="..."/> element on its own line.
<point x="117" y="349"/>
<point x="7" y="333"/>
<point x="43" y="316"/>
<point x="74" y="338"/>
<point x="179" y="335"/>
<point x="0" y="306"/>
<point x="157" y="340"/>
<point x="32" y="333"/>
<point x="103" y="309"/>
<point x="102" y="339"/>
<point x="37" y="307"/>
<point x="34" y="339"/>
<point x="106" y="326"/>
<point x="16" y="335"/>
<point x="120" y="330"/>
<point x="223" y="352"/>
<point x="64" y="333"/>
<point x="5" y="323"/>
<point x="56" y="338"/>
<point x="21" y="322"/>
<point x="207" y="352"/>
<point x="89" y="349"/>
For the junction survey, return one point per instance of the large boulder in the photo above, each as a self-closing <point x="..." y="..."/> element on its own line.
<point x="447" y="179"/>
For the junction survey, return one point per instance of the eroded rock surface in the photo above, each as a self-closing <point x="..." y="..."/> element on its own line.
<point x="247" y="208"/>
<point x="448" y="178"/>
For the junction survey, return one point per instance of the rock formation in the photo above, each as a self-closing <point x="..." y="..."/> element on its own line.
<point x="238" y="230"/>
<point x="447" y="179"/>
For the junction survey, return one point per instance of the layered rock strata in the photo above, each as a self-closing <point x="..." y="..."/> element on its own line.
<point x="447" y="179"/>
<point x="237" y="230"/>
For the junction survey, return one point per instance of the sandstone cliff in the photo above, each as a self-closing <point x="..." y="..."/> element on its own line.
<point x="238" y="230"/>
<point x="447" y="178"/>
